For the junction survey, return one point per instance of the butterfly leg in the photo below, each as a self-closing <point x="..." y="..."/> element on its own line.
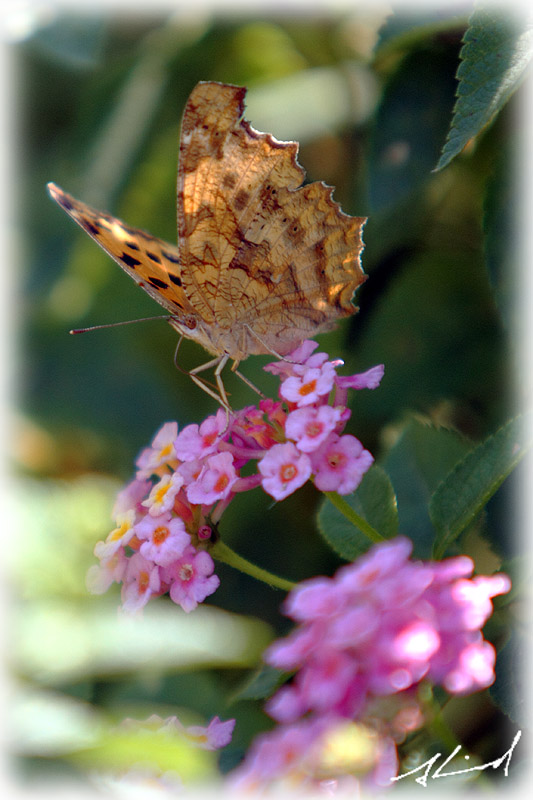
<point x="219" y="362"/>
<point x="246" y="380"/>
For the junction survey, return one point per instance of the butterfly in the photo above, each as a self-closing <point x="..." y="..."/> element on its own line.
<point x="262" y="262"/>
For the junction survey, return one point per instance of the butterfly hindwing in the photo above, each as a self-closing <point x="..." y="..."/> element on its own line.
<point x="256" y="246"/>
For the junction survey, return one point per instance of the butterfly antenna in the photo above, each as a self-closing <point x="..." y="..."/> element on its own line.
<point x="180" y="369"/>
<point x="116" y="324"/>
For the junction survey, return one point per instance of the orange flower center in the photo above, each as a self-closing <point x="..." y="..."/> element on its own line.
<point x="160" y="534"/>
<point x="313" y="429"/>
<point x="143" y="582"/>
<point x="221" y="483"/>
<point x="307" y="388"/>
<point x="288" y="472"/>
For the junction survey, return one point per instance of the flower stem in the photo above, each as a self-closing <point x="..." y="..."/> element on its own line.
<point x="226" y="555"/>
<point x="352" y="516"/>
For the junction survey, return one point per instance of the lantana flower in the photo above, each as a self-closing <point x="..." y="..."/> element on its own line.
<point x="377" y="629"/>
<point x="191" y="578"/>
<point x="166" y="516"/>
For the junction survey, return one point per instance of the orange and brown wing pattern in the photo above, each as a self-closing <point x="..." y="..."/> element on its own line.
<point x="151" y="262"/>
<point x="256" y="249"/>
<point x="303" y="272"/>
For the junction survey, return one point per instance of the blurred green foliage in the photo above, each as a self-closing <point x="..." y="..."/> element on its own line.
<point x="370" y="97"/>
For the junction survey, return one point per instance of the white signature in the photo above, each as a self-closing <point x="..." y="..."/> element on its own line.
<point x="427" y="765"/>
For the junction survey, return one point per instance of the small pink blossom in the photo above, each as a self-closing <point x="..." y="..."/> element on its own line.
<point x="306" y="389"/>
<point x="277" y="754"/>
<point x="191" y="578"/>
<point x="418" y="641"/>
<point x="160" y="453"/>
<point x="330" y="681"/>
<point x="131" y="496"/>
<point x="216" y="735"/>
<point x="475" y="597"/>
<point x="362" y="380"/>
<point x="300" y="355"/>
<point x="118" y="538"/>
<point x="162" y="494"/>
<point x="284" y="469"/>
<point x="164" y="538"/>
<point x="110" y="570"/>
<point x="197" y="441"/>
<point x="190" y="470"/>
<point x="340" y="463"/>
<point x="309" y="427"/>
<point x="474" y="669"/>
<point x="214" y="481"/>
<point x="141" y="581"/>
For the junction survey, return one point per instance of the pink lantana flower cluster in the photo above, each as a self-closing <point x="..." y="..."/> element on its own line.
<point x="377" y="629"/>
<point x="166" y="517"/>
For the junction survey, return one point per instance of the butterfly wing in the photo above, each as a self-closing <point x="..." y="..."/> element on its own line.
<point x="151" y="262"/>
<point x="258" y="252"/>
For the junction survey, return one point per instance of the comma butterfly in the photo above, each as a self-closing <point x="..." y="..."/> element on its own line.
<point x="262" y="262"/>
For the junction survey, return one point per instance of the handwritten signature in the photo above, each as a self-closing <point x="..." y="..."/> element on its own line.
<point x="427" y="765"/>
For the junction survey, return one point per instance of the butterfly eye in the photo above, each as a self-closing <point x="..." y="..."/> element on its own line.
<point x="190" y="322"/>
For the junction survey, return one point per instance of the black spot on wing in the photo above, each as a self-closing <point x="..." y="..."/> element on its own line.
<point x="90" y="228"/>
<point x="170" y="257"/>
<point x="175" y="279"/>
<point x="153" y="257"/>
<point x="64" y="201"/>
<point x="129" y="260"/>
<point x="157" y="283"/>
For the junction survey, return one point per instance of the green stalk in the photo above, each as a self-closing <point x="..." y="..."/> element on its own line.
<point x="353" y="517"/>
<point x="226" y="555"/>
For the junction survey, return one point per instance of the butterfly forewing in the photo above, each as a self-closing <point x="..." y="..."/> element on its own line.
<point x="151" y="262"/>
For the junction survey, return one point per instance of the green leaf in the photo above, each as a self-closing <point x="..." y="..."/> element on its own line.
<point x="473" y="481"/>
<point x="501" y="215"/>
<point x="416" y="464"/>
<point x="262" y="684"/>
<point x="433" y="303"/>
<point x="494" y="58"/>
<point x="408" y="29"/>
<point x="410" y="128"/>
<point x="76" y="43"/>
<point x="509" y="691"/>
<point x="375" y="501"/>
